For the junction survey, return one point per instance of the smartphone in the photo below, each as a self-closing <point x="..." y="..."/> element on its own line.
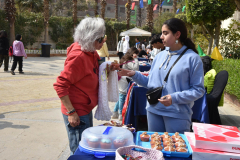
<point x="81" y="124"/>
<point x="164" y="97"/>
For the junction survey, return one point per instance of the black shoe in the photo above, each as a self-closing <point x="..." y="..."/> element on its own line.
<point x="21" y="72"/>
<point x="12" y="72"/>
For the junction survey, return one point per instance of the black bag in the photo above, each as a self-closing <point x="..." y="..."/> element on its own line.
<point x="154" y="94"/>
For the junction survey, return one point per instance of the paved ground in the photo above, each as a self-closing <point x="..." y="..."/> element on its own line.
<point x="31" y="124"/>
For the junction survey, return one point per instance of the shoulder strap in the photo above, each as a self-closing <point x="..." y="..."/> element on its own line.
<point x="165" y="79"/>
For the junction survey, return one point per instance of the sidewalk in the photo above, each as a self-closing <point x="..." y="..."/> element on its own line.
<point x="31" y="123"/>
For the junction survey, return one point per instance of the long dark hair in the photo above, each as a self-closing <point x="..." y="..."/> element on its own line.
<point x="174" y="25"/>
<point x="18" y="37"/>
<point x="129" y="55"/>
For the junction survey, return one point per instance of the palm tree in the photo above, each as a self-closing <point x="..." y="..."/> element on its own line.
<point x="46" y="19"/>
<point x="116" y="9"/>
<point x="74" y="13"/>
<point x="31" y="5"/>
<point x="149" y="21"/>
<point x="96" y="8"/>
<point x="10" y="15"/>
<point x="103" y="6"/>
<point x="174" y="6"/>
<point x="139" y="16"/>
<point x="238" y="4"/>
<point x="128" y="13"/>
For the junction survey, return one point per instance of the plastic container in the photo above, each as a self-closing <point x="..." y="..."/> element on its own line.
<point x="165" y="153"/>
<point x="103" y="141"/>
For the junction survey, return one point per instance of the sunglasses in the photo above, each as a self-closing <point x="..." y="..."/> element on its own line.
<point x="100" y="39"/>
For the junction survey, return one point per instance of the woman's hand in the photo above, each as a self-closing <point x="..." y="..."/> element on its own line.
<point x="74" y="119"/>
<point x="114" y="66"/>
<point x="125" y="72"/>
<point x="166" y="100"/>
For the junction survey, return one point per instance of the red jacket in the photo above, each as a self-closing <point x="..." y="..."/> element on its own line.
<point x="79" y="80"/>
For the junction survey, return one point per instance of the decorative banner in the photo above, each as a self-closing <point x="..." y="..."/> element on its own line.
<point x="183" y="8"/>
<point x="200" y="51"/>
<point x="133" y="5"/>
<point x="141" y="3"/>
<point x="168" y="1"/>
<point x="149" y="1"/>
<point x="162" y="4"/>
<point x="216" y="54"/>
<point x="177" y="11"/>
<point x="126" y="5"/>
<point x="155" y="7"/>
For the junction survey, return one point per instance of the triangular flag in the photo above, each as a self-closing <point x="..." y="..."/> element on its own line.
<point x="168" y="0"/>
<point x="200" y="51"/>
<point x="149" y="1"/>
<point x="141" y="3"/>
<point x="155" y="7"/>
<point x="177" y="11"/>
<point x="216" y="54"/>
<point x="162" y="4"/>
<point x="183" y="8"/>
<point x="133" y="5"/>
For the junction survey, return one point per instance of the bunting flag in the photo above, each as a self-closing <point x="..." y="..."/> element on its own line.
<point x="141" y="3"/>
<point x="149" y="1"/>
<point x="183" y="8"/>
<point x="133" y="5"/>
<point x="162" y="4"/>
<point x="200" y="51"/>
<point x="177" y="11"/>
<point x="155" y="7"/>
<point x="168" y="1"/>
<point x="216" y="54"/>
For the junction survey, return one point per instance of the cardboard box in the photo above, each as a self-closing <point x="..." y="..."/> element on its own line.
<point x="217" y="137"/>
<point x="202" y="154"/>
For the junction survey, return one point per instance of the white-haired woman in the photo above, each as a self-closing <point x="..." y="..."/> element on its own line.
<point x="77" y="85"/>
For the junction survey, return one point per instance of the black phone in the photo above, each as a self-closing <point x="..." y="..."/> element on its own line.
<point x="81" y="123"/>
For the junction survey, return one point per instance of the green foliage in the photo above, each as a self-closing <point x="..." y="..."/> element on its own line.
<point x="202" y="41"/>
<point x="62" y="29"/>
<point x="233" y="68"/>
<point x="30" y="25"/>
<point x="158" y="22"/>
<point x="4" y="23"/>
<point x="230" y="40"/>
<point x="199" y="11"/>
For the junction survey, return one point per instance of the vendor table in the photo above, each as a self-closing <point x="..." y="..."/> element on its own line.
<point x="137" y="107"/>
<point x="144" y="68"/>
<point x="143" y="59"/>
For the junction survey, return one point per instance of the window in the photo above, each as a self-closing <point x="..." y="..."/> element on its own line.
<point x="167" y="10"/>
<point x="122" y="9"/>
<point x="109" y="8"/>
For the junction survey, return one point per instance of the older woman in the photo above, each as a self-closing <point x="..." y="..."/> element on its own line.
<point x="77" y="85"/>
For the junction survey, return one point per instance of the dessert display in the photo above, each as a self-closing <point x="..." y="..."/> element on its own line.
<point x="165" y="135"/>
<point x="154" y="141"/>
<point x="181" y="149"/>
<point x="119" y="141"/>
<point x="144" y="137"/>
<point x="180" y="144"/>
<point x="105" y="143"/>
<point x="154" y="134"/>
<point x="175" y="135"/>
<point x="93" y="141"/>
<point x="178" y="139"/>
<point x="168" y="143"/>
<point x="170" y="148"/>
<point x="157" y="146"/>
<point x="117" y="124"/>
<point x="167" y="139"/>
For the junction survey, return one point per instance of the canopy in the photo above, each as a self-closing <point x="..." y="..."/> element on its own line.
<point x="136" y="32"/>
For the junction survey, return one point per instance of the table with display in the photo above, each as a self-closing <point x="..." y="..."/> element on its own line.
<point x="143" y="59"/>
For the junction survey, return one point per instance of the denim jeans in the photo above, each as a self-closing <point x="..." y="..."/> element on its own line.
<point x="75" y="133"/>
<point x="119" y="105"/>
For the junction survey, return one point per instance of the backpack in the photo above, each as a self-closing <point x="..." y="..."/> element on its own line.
<point x="10" y="52"/>
<point x="207" y="63"/>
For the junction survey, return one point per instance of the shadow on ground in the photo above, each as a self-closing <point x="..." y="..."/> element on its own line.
<point x="230" y="120"/>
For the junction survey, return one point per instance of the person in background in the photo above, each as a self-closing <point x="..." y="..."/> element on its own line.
<point x="142" y="53"/>
<point x="130" y="62"/>
<point x="173" y="111"/>
<point x="120" y="48"/>
<point x="145" y="42"/>
<point x="143" y="46"/>
<point x="126" y="45"/>
<point x="157" y="44"/>
<point x="18" y="54"/>
<point x="4" y="47"/>
<point x="103" y="52"/>
<point x="137" y="42"/>
<point x="77" y="85"/>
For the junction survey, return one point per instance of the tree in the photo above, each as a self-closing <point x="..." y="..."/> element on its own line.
<point x="103" y="6"/>
<point x="96" y="8"/>
<point x="238" y="4"/>
<point x="209" y="13"/>
<point x="31" y="5"/>
<point x="174" y="6"/>
<point x="160" y="7"/>
<point x="128" y="13"/>
<point x="139" y="15"/>
<point x="74" y="13"/>
<point x="149" y="21"/>
<point x="10" y="15"/>
<point x="116" y="9"/>
<point x="46" y="19"/>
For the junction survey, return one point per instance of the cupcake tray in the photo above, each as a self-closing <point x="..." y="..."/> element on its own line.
<point x="165" y="153"/>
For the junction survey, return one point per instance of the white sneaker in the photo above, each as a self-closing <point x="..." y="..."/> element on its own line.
<point x="115" y="115"/>
<point x="120" y="117"/>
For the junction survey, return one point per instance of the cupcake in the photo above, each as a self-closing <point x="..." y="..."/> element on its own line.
<point x="167" y="139"/>
<point x="144" y="137"/>
<point x="154" y="134"/>
<point x="105" y="143"/>
<point x="170" y="148"/>
<point x="180" y="144"/>
<point x="93" y="142"/>
<point x="120" y="141"/>
<point x="168" y="143"/>
<point x="165" y="135"/>
<point x="175" y="135"/>
<point x="179" y="139"/>
<point x="157" y="146"/>
<point x="154" y="141"/>
<point x="181" y="149"/>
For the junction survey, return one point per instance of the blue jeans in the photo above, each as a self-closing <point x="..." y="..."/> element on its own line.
<point x="119" y="105"/>
<point x="75" y="133"/>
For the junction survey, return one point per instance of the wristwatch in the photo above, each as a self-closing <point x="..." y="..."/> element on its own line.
<point x="72" y="111"/>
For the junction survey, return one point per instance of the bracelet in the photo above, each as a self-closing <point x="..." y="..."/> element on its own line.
<point x="72" y="111"/>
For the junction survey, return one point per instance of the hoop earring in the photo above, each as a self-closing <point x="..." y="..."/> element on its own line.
<point x="176" y="42"/>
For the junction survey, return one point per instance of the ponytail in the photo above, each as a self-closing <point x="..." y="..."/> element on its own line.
<point x="188" y="42"/>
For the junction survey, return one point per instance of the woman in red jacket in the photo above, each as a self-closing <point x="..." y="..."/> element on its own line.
<point x="77" y="85"/>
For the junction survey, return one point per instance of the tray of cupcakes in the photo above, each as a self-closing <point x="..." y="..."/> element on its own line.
<point x="103" y="141"/>
<point x="171" y="144"/>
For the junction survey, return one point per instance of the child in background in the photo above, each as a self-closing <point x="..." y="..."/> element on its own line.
<point x="129" y="61"/>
